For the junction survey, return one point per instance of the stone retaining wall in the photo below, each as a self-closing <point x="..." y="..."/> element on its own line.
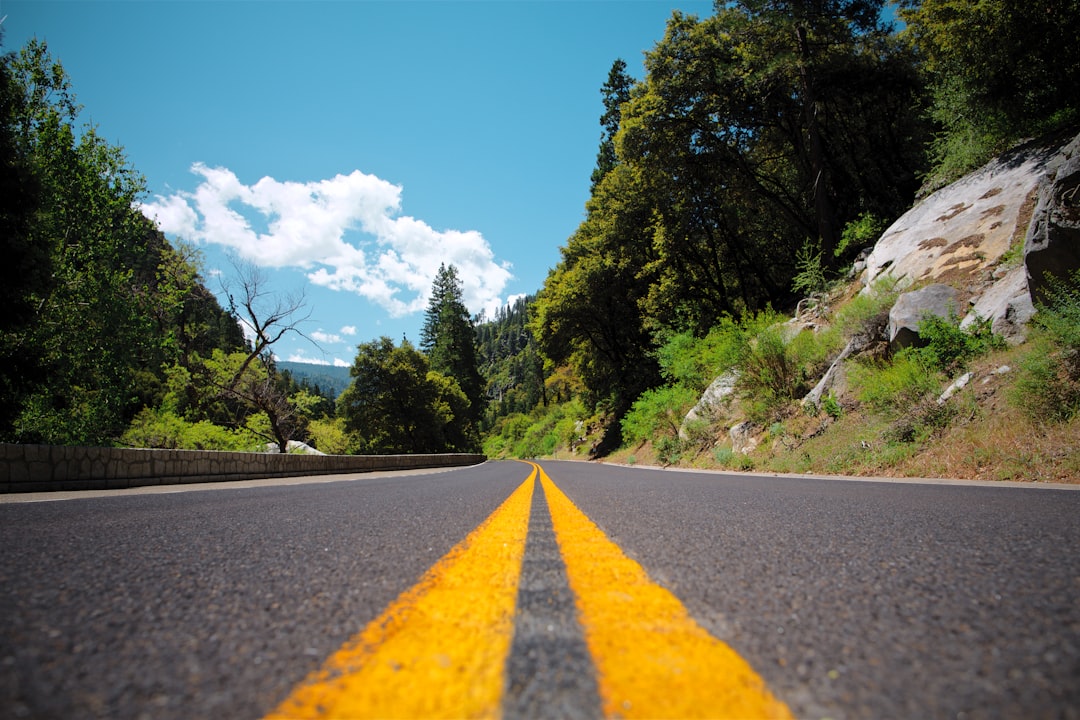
<point x="37" y="468"/>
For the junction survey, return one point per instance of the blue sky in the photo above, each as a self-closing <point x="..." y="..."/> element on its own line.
<point x="350" y="147"/>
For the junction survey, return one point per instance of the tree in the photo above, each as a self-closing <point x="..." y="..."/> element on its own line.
<point x="397" y="404"/>
<point x="26" y="272"/>
<point x="588" y="314"/>
<point x="449" y="339"/>
<point x="763" y="127"/>
<point x="615" y="92"/>
<point x="999" y="70"/>
<point x="92" y="330"/>
<point x="266" y="317"/>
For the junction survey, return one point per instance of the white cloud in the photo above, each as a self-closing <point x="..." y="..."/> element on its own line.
<point x="346" y="232"/>
<point x="338" y="362"/>
<point x="324" y="337"/>
<point x="301" y="358"/>
<point x="348" y="330"/>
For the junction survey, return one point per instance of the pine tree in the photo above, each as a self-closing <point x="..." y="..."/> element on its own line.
<point x="449" y="338"/>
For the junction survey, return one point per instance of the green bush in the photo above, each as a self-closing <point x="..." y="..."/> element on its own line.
<point x="695" y="362"/>
<point x="860" y="233"/>
<point x="657" y="414"/>
<point x="868" y="312"/>
<point x="893" y="386"/>
<point x="948" y="347"/>
<point x="159" y="428"/>
<point x="810" y="273"/>
<point x="1048" y="386"/>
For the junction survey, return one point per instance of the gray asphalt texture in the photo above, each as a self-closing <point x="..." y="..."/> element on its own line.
<point x="212" y="604"/>
<point x="851" y="599"/>
<point x="863" y="599"/>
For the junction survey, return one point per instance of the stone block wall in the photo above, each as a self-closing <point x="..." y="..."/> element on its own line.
<point x="37" y="468"/>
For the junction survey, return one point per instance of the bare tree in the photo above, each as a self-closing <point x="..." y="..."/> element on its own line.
<point x="266" y="316"/>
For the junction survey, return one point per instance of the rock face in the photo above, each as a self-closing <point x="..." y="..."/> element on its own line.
<point x="962" y="235"/>
<point x="910" y="309"/>
<point x="1052" y="245"/>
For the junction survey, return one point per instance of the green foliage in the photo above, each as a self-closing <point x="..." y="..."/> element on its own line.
<point x="1059" y="313"/>
<point x="163" y="428"/>
<point x="773" y="371"/>
<point x="449" y="339"/>
<point x="1048" y="386"/>
<point x="329" y="435"/>
<point x="589" y="316"/>
<point x="999" y="71"/>
<point x="867" y="314"/>
<point x="810" y="275"/>
<point x="694" y="362"/>
<point x="98" y="303"/>
<point x="510" y="362"/>
<point x="893" y="386"/>
<point x="860" y="233"/>
<point x="397" y="404"/>
<point x="948" y="347"/>
<point x="657" y="414"/>
<point x="540" y="433"/>
<point x="832" y="406"/>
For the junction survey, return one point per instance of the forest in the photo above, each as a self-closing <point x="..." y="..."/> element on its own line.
<point x="766" y="146"/>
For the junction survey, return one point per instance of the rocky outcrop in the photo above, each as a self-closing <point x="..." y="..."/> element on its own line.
<point x="1052" y="244"/>
<point x="712" y="400"/>
<point x="992" y="235"/>
<point x="910" y="309"/>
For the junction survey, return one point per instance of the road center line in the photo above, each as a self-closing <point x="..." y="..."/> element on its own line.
<point x="440" y="648"/>
<point x="652" y="659"/>
<point x="549" y="671"/>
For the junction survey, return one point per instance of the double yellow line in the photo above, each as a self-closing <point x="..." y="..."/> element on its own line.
<point x="439" y="650"/>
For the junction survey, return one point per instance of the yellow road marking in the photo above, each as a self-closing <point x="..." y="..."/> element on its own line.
<point x="652" y="659"/>
<point x="438" y="650"/>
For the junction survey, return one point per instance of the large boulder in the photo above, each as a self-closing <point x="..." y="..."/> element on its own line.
<point x="1052" y="244"/>
<point x="965" y="228"/>
<point x="719" y="392"/>
<point x="910" y="309"/>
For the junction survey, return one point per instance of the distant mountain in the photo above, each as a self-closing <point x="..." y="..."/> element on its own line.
<point x="331" y="379"/>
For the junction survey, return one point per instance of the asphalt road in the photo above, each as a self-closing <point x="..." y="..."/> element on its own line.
<point x="850" y="599"/>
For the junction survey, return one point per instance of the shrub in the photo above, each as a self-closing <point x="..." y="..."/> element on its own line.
<point x="867" y="313"/>
<point x="162" y="428"/>
<point x="657" y="414"/>
<point x="949" y="347"/>
<point x="893" y="386"/>
<point x="831" y="406"/>
<point x="1048" y="386"/>
<point x="860" y="233"/>
<point x="810" y="274"/>
<point x="694" y="362"/>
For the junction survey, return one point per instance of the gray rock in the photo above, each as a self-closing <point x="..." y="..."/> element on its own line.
<point x="743" y="437"/>
<point x="912" y="307"/>
<point x="956" y="386"/>
<point x="1007" y="304"/>
<point x="714" y="397"/>
<point x="1052" y="243"/>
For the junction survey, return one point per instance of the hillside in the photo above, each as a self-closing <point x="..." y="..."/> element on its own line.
<point x="888" y="398"/>
<point x="331" y="379"/>
<point x="946" y="351"/>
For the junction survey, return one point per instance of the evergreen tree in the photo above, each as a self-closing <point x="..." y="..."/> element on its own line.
<point x="615" y="92"/>
<point x="449" y="338"/>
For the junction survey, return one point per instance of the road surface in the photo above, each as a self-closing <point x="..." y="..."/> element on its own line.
<point x="566" y="590"/>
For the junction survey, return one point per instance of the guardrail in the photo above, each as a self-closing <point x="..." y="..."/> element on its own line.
<point x="39" y="468"/>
